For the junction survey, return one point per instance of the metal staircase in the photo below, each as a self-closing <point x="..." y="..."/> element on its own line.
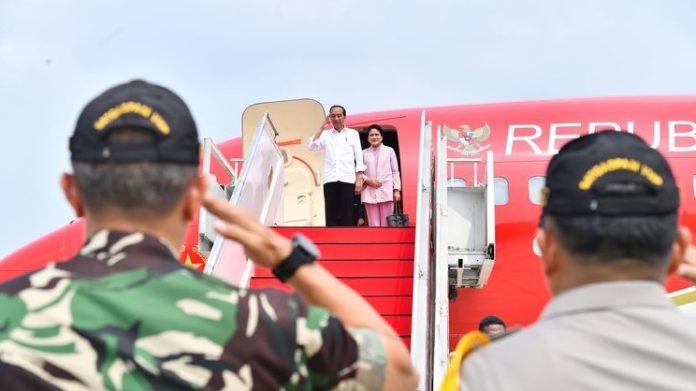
<point x="402" y="272"/>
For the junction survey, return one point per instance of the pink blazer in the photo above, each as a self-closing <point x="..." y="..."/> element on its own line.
<point x="381" y="165"/>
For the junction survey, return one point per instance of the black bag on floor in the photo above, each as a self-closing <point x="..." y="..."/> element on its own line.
<point x="398" y="219"/>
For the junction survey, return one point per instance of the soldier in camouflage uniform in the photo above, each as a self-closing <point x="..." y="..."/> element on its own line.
<point x="124" y="314"/>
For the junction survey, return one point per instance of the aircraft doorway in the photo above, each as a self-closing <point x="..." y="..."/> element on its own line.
<point x="390" y="138"/>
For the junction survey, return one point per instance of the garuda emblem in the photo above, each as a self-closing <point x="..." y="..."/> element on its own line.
<point x="468" y="141"/>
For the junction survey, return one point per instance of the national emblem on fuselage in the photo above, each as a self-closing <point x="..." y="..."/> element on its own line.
<point x="468" y="141"/>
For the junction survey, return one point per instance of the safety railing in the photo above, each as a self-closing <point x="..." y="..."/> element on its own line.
<point x="259" y="189"/>
<point x="219" y="187"/>
<point x="459" y="163"/>
<point x="421" y="327"/>
<point x="441" y="286"/>
<point x="471" y="221"/>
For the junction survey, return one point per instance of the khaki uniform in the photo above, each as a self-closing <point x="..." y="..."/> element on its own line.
<point x="126" y="315"/>
<point x="611" y="336"/>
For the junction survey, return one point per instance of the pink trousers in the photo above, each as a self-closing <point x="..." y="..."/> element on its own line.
<point x="377" y="213"/>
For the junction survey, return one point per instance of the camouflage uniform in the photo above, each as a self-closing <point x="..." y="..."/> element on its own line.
<point x="124" y="314"/>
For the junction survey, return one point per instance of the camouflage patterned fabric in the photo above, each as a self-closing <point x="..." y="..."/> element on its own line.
<point x="125" y="315"/>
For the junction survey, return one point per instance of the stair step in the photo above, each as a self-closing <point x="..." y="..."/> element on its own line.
<point x="407" y="341"/>
<point x="359" y="268"/>
<point x="391" y="305"/>
<point x="381" y="251"/>
<point x="321" y="235"/>
<point x="400" y="323"/>
<point x="378" y="286"/>
<point x="384" y="305"/>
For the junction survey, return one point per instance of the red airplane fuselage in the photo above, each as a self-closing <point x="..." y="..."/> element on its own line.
<point x="523" y="137"/>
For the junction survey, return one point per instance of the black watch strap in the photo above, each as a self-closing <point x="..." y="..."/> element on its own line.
<point x="303" y="252"/>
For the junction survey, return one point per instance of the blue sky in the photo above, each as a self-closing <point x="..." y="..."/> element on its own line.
<point x="222" y="56"/>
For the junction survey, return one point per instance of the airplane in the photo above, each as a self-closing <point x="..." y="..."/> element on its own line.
<point x="504" y="147"/>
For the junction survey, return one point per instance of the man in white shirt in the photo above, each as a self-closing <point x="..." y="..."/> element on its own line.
<point x="343" y="161"/>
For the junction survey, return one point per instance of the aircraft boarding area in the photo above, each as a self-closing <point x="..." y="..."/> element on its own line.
<point x="432" y="281"/>
<point x="393" y="268"/>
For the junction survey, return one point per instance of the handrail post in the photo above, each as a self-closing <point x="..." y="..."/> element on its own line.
<point x="421" y="326"/>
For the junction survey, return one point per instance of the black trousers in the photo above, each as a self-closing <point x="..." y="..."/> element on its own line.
<point x="338" y="204"/>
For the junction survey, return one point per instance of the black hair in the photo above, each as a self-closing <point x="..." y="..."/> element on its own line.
<point x="343" y="109"/>
<point x="137" y="190"/>
<point x="376" y="127"/>
<point x="639" y="240"/>
<point x="488" y="321"/>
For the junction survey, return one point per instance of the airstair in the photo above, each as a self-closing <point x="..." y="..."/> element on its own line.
<point x="377" y="263"/>
<point x="454" y="245"/>
<point x="408" y="275"/>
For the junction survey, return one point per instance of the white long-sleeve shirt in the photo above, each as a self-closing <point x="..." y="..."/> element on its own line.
<point x="343" y="154"/>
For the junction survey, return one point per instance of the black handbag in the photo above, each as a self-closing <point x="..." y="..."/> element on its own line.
<point x="398" y="219"/>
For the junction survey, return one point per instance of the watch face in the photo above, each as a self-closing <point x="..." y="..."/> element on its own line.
<point x="302" y="242"/>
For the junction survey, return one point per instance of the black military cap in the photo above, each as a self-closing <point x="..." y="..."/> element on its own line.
<point x="609" y="173"/>
<point x="141" y="105"/>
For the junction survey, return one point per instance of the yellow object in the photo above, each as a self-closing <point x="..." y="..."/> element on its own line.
<point x="466" y="345"/>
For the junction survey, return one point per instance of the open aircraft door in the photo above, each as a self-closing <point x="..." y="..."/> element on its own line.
<point x="295" y="120"/>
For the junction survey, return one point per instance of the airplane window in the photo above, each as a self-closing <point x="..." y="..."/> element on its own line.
<point x="500" y="187"/>
<point x="536" y="183"/>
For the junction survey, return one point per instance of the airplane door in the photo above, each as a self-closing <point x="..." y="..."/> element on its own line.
<point x="295" y="120"/>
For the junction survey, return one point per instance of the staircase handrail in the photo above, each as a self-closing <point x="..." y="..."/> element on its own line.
<point x="206" y="233"/>
<point x="421" y="327"/>
<point x="259" y="189"/>
<point x="474" y="162"/>
<point x="440" y="278"/>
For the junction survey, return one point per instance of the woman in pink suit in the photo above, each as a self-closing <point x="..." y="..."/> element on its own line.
<point x="382" y="180"/>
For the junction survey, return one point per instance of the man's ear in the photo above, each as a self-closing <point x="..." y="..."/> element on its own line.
<point x="548" y="244"/>
<point x="193" y="197"/>
<point x="679" y="247"/>
<point x="72" y="194"/>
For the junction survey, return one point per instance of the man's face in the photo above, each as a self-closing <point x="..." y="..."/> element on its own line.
<point x="337" y="118"/>
<point x="494" y="329"/>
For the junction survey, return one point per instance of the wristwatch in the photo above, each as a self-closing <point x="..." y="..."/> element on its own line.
<point x="303" y="252"/>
